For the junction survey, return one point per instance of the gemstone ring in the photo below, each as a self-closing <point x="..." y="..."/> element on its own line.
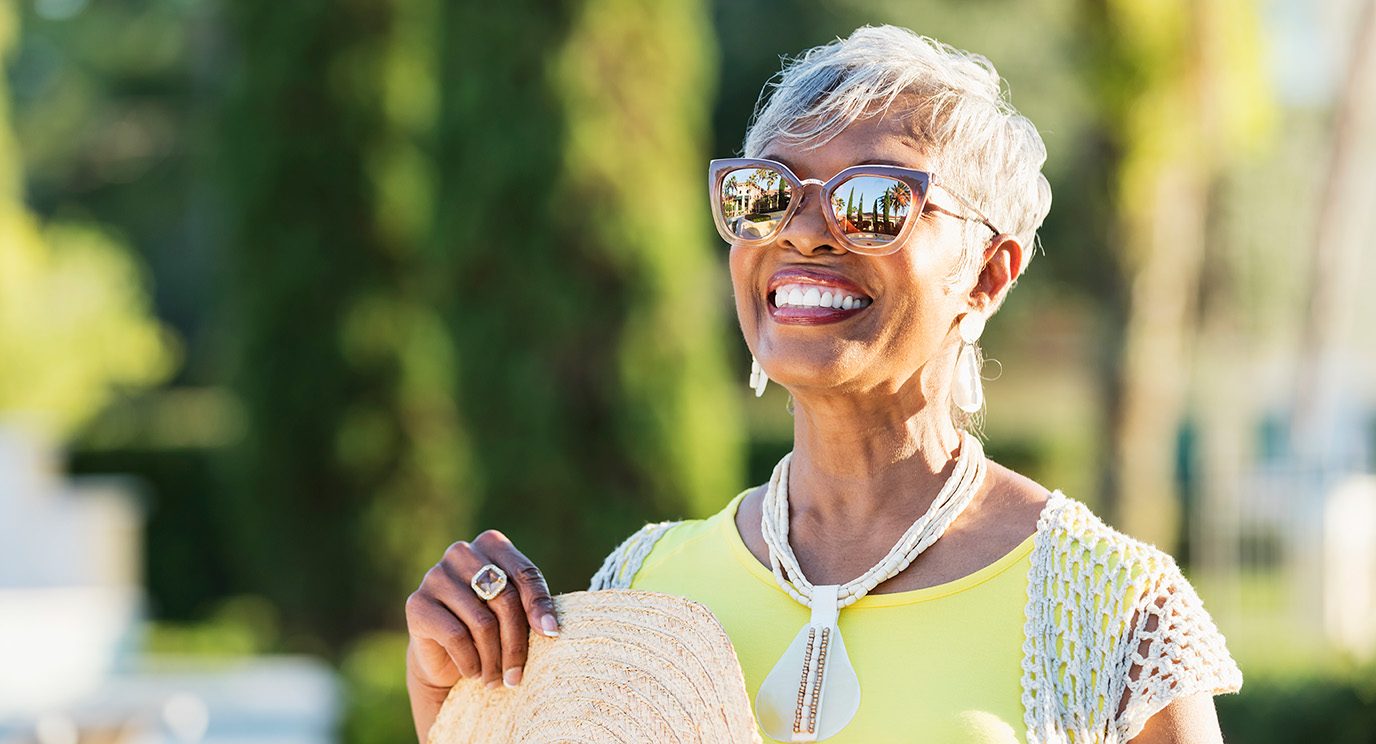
<point x="488" y="582"/>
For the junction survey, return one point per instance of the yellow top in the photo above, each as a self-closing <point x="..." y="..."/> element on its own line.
<point x="939" y="664"/>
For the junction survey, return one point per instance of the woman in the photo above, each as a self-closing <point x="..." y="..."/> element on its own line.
<point x="888" y="202"/>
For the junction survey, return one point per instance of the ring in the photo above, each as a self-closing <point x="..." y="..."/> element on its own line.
<point x="488" y="582"/>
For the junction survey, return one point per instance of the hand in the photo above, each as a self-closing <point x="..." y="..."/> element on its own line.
<point x="455" y="634"/>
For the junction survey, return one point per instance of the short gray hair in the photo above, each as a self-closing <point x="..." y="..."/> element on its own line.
<point x="981" y="146"/>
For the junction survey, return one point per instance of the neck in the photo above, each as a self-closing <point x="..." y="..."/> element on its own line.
<point x="857" y="459"/>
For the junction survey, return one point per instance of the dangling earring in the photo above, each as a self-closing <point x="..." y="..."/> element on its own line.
<point x="968" y="393"/>
<point x="757" y="377"/>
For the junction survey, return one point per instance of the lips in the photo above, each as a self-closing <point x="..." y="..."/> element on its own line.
<point x="799" y="296"/>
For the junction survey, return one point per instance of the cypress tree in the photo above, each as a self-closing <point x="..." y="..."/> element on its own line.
<point x="346" y="481"/>
<point x="590" y="323"/>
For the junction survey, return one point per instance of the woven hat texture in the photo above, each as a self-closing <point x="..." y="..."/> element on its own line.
<point x="628" y="666"/>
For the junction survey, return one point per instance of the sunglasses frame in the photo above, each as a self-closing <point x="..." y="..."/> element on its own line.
<point x="921" y="182"/>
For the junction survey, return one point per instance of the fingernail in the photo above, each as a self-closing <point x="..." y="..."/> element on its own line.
<point x="550" y="625"/>
<point x="512" y="677"/>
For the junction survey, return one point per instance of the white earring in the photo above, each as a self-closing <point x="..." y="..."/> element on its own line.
<point x="968" y="391"/>
<point x="757" y="377"/>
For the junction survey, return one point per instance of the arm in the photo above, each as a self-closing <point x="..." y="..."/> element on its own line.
<point x="1187" y="720"/>
<point x="426" y="701"/>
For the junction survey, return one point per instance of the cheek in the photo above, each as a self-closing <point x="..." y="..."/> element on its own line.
<point x="919" y="304"/>
<point x="742" y="289"/>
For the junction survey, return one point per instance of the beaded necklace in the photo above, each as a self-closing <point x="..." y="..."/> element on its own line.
<point x="812" y="692"/>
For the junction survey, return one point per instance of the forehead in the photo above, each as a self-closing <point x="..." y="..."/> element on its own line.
<point x="886" y="138"/>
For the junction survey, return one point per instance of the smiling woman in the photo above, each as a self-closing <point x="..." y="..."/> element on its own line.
<point x="891" y="582"/>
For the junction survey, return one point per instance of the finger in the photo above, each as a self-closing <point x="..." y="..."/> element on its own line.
<point x="529" y="581"/>
<point x="444" y="650"/>
<point x="483" y="626"/>
<point x="509" y="608"/>
<point x="514" y="634"/>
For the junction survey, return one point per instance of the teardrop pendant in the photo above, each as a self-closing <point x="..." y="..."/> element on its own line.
<point x="812" y="692"/>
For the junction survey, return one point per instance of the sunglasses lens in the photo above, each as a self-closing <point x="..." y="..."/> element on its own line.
<point x="871" y="210"/>
<point x="752" y="201"/>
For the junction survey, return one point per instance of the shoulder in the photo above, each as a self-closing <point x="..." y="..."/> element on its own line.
<point x="1100" y="601"/>
<point x="1074" y="540"/>
<point x="1079" y="554"/>
<point x="650" y="544"/>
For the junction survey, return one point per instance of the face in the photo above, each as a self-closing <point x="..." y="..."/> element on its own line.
<point x="910" y="309"/>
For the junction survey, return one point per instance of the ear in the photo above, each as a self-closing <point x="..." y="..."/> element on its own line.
<point x="1000" y="265"/>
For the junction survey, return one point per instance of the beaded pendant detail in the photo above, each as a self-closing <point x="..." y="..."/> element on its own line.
<point x="812" y="692"/>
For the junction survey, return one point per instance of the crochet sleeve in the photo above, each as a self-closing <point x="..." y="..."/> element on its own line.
<point x="1114" y="633"/>
<point x="1172" y="648"/>
<point x="620" y="567"/>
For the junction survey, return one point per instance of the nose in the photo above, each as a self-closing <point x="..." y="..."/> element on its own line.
<point x="807" y="231"/>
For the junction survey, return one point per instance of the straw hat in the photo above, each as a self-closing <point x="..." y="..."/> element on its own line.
<point x="628" y="666"/>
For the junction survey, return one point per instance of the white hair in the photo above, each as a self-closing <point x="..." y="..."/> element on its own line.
<point x="980" y="145"/>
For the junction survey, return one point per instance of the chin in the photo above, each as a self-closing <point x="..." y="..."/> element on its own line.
<point x="814" y="366"/>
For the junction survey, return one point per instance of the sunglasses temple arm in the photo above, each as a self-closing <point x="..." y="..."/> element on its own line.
<point x="966" y="203"/>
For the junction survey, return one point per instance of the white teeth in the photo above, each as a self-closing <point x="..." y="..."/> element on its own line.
<point x="801" y="295"/>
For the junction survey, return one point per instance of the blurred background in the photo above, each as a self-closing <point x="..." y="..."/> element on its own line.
<point x="295" y="294"/>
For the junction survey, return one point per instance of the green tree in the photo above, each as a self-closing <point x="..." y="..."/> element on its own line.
<point x="348" y="481"/>
<point x="597" y="378"/>
<point x="1164" y="67"/>
<point x="76" y="322"/>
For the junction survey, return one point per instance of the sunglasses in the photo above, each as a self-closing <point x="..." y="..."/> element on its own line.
<point x="867" y="207"/>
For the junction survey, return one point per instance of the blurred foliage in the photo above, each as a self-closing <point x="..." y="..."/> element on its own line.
<point x="350" y="480"/>
<point x="1181" y="94"/>
<point x="237" y="625"/>
<point x="188" y="554"/>
<point x="1332" y="710"/>
<point x="569" y="209"/>
<point x="66" y="287"/>
<point x="377" y="707"/>
<point x="110" y="105"/>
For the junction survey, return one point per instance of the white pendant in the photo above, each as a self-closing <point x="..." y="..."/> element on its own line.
<point x="967" y="391"/>
<point x="812" y="692"/>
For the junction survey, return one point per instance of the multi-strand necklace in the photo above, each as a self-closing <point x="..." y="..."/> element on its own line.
<point x="813" y="692"/>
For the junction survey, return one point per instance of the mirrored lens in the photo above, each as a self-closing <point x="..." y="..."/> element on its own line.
<point x="753" y="200"/>
<point x="872" y="210"/>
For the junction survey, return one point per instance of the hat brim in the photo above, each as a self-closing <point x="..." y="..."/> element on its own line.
<point x="628" y="666"/>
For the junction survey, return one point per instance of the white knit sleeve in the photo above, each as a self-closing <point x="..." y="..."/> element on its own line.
<point x="1172" y="649"/>
<point x="621" y="565"/>
<point x="1113" y="633"/>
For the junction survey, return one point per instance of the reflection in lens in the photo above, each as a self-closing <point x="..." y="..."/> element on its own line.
<point x="871" y="210"/>
<point x="753" y="200"/>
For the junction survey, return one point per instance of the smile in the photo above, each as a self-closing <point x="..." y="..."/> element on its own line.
<point x="809" y="297"/>
<point x="797" y="295"/>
